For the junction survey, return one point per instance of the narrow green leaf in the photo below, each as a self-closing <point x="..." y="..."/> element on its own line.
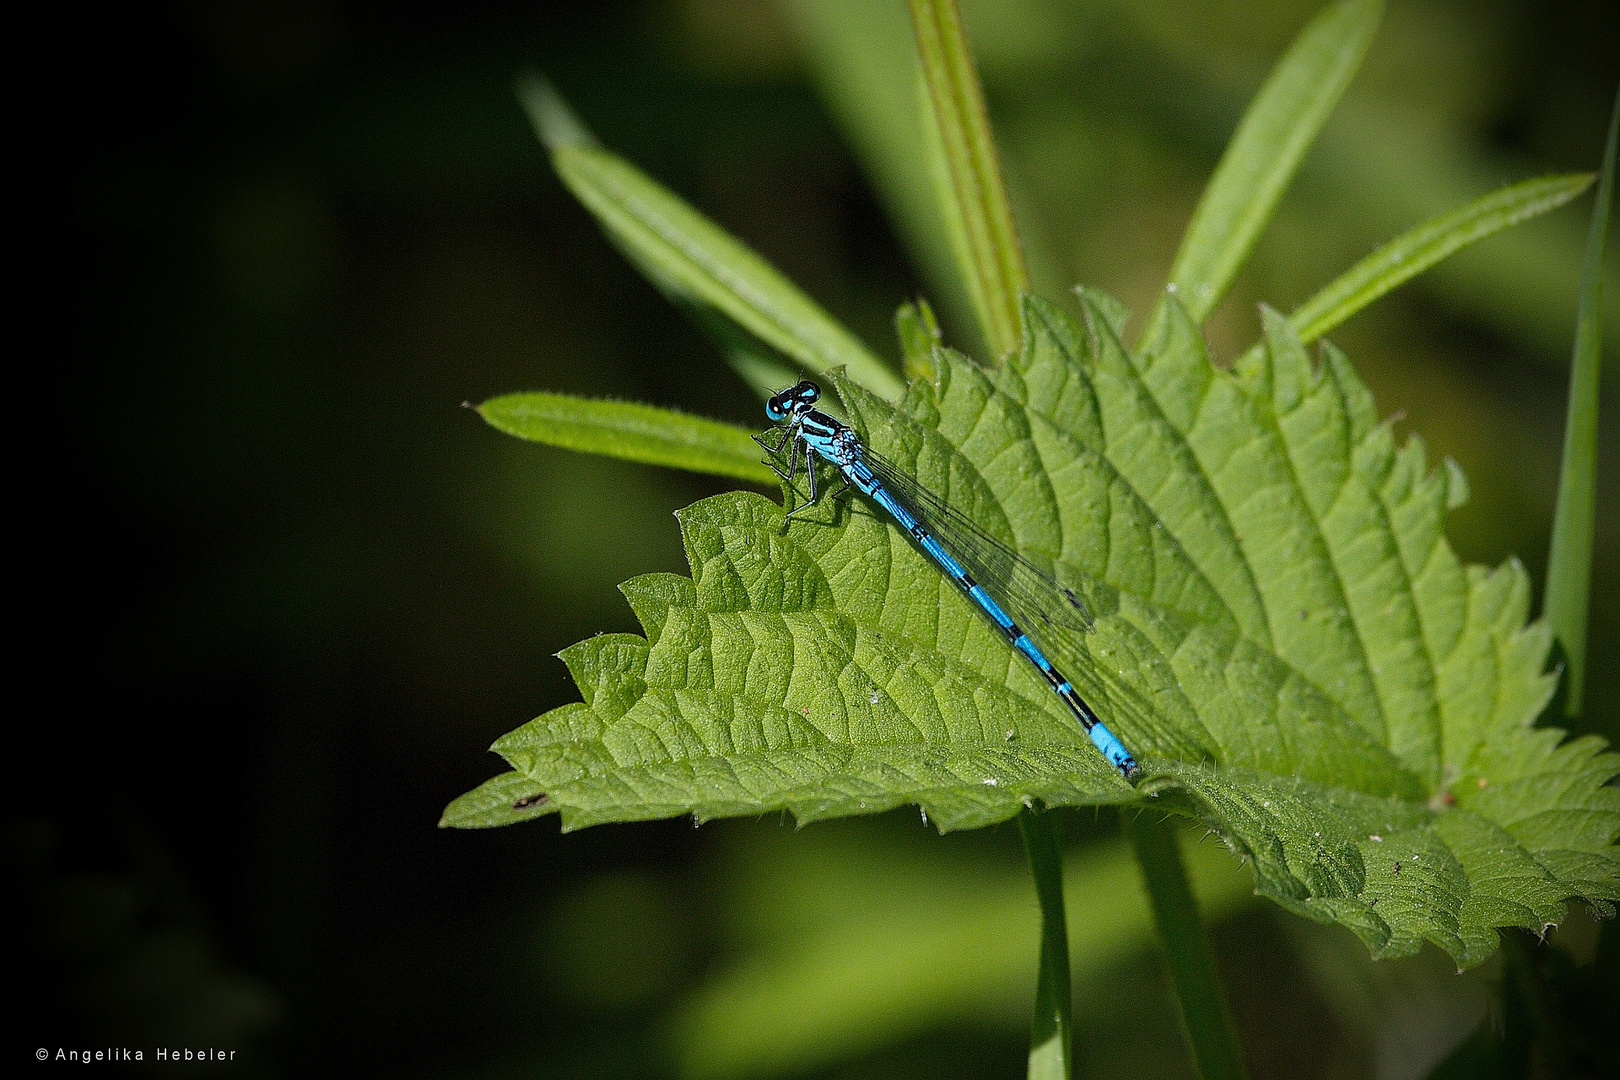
<point x="687" y="255"/>
<point x="1267" y="148"/>
<point x="978" y="211"/>
<point x="1416" y="250"/>
<point x="1569" y="572"/>
<point x="624" y="429"/>
<point x="763" y="374"/>
<point x="1188" y="956"/>
<point x="762" y="368"/>
<point x="1051" y="1045"/>
<point x="862" y="57"/>
<point x="1420" y="247"/>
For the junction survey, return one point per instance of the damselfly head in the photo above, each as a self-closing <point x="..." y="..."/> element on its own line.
<point x="793" y="400"/>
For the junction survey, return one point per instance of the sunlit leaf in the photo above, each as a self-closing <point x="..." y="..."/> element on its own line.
<point x="1283" y="635"/>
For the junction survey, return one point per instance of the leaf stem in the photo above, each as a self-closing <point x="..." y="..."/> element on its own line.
<point x="1051" y="1047"/>
<point x="1569" y="569"/>
<point x="1524" y="988"/>
<point x="976" y="200"/>
<point x="1186" y="948"/>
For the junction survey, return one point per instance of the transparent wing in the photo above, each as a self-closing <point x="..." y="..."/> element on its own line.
<point x="1038" y="602"/>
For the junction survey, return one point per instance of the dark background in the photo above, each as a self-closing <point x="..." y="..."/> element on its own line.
<point x="277" y="590"/>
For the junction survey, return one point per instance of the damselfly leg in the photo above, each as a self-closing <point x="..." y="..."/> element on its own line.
<point x="810" y="471"/>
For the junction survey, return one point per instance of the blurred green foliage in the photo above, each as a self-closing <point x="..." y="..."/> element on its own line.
<point x="285" y="579"/>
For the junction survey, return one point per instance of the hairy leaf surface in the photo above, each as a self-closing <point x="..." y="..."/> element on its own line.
<point x="1282" y="635"/>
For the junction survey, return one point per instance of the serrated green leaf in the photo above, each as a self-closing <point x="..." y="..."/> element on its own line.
<point x="688" y="256"/>
<point x="501" y="800"/>
<point x="635" y="432"/>
<point x="1283" y="636"/>
<point x="1266" y="149"/>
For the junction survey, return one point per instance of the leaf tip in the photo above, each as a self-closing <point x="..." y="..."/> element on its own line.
<point x="919" y="333"/>
<point x="1457" y="490"/>
<point x="491" y="412"/>
<point x="554" y="122"/>
<point x="1271" y="318"/>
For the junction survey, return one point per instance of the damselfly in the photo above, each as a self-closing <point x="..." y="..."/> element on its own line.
<point x="994" y="577"/>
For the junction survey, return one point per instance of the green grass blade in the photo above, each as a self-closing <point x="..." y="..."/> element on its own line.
<point x="1569" y="571"/>
<point x="977" y="208"/>
<point x="1189" y="959"/>
<point x="690" y="256"/>
<point x="624" y="429"/>
<point x="1279" y="127"/>
<point x="1419" y="248"/>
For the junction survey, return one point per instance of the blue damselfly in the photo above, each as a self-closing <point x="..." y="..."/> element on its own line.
<point x="993" y="576"/>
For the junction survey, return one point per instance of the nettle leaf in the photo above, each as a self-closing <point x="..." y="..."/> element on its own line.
<point x="1283" y="636"/>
